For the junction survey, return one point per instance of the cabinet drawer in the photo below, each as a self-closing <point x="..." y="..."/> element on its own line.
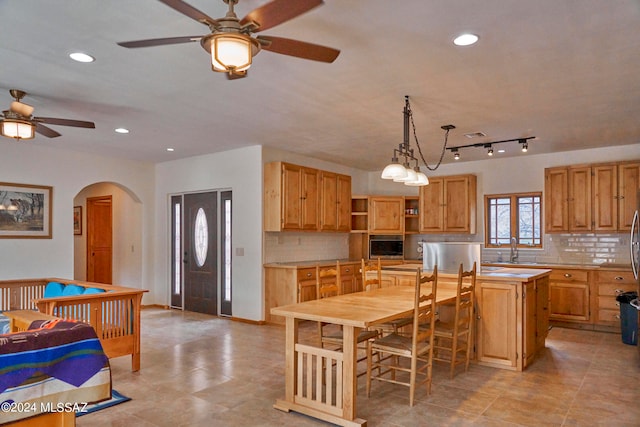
<point x="613" y="289"/>
<point x="623" y="277"/>
<point x="608" y="302"/>
<point x="607" y="316"/>
<point x="349" y="270"/>
<point x="306" y="274"/>
<point x="569" y="275"/>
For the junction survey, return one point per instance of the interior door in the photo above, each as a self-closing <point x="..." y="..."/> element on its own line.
<point x="99" y="239"/>
<point x="200" y="258"/>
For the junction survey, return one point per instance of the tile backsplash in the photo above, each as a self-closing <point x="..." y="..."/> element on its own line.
<point x="581" y="248"/>
<point x="293" y="247"/>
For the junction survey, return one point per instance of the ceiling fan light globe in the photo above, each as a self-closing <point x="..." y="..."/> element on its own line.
<point x="393" y="171"/>
<point x="412" y="176"/>
<point x="231" y="52"/>
<point x="17" y="129"/>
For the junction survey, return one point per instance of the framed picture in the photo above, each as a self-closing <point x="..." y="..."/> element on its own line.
<point x="77" y="220"/>
<point x="25" y="211"/>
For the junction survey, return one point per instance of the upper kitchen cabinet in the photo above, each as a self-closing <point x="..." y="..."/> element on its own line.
<point x="335" y="202"/>
<point x="386" y="215"/>
<point x="567" y="199"/>
<point x="627" y="197"/>
<point x="448" y="205"/>
<point x="291" y="197"/>
<point x="615" y="195"/>
<point x="597" y="197"/>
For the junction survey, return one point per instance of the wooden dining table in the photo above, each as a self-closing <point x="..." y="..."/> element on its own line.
<point x="330" y="394"/>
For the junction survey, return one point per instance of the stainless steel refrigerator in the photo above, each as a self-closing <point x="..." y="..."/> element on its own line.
<point x="634" y="246"/>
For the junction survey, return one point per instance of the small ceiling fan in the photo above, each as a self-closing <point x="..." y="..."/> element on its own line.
<point x="231" y="43"/>
<point x="18" y="123"/>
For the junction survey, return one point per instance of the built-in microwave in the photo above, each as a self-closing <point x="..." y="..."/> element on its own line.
<point x="389" y="247"/>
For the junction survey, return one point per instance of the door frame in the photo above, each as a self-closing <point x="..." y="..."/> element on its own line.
<point x="223" y="309"/>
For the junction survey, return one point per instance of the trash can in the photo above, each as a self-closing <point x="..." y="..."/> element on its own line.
<point x="628" y="318"/>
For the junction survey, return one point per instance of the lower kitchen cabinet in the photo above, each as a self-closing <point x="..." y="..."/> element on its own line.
<point x="512" y="322"/>
<point x="289" y="284"/>
<point x="569" y="296"/>
<point x="609" y="284"/>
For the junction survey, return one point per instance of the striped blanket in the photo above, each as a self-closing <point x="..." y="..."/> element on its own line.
<point x="55" y="364"/>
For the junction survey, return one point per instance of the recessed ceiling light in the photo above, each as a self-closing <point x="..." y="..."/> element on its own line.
<point x="465" y="39"/>
<point x="501" y="150"/>
<point x="81" y="57"/>
<point x="170" y="149"/>
<point x="122" y="130"/>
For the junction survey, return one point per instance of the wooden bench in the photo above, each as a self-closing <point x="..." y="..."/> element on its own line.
<point x="114" y="314"/>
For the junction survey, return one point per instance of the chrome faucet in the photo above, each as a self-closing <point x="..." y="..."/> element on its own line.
<point x="513" y="256"/>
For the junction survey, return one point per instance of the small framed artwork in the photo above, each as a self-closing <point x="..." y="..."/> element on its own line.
<point x="77" y="220"/>
<point x="25" y="211"/>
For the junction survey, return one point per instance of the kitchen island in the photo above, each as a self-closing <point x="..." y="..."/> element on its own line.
<point x="512" y="315"/>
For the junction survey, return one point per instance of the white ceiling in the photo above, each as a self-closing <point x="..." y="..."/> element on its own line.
<point x="565" y="71"/>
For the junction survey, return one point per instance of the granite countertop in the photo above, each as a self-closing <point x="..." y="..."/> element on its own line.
<point x="525" y="264"/>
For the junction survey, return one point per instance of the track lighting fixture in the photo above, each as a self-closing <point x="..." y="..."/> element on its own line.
<point x="403" y="172"/>
<point x="524" y="142"/>
<point x="489" y="149"/>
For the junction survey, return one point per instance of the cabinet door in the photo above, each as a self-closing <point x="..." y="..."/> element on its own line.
<point x="459" y="196"/>
<point x="310" y="203"/>
<point x="580" y="199"/>
<point x="542" y="311"/>
<point x="605" y="198"/>
<point x="328" y="201"/>
<point x="386" y="215"/>
<point x="343" y="199"/>
<point x="496" y="339"/>
<point x="556" y="195"/>
<point x="569" y="295"/>
<point x="347" y="278"/>
<point x="291" y="197"/>
<point x="432" y="206"/>
<point x="628" y="187"/>
<point x="306" y="284"/>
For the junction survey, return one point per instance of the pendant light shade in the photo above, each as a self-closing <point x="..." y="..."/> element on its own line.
<point x="412" y="176"/>
<point x="421" y="180"/>
<point x="394" y="171"/>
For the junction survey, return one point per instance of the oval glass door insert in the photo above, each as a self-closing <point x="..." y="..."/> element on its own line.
<point x="201" y="237"/>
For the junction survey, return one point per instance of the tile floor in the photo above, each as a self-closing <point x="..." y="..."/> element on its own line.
<point x="199" y="370"/>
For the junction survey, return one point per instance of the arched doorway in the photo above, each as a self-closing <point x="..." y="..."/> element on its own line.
<point x="126" y="224"/>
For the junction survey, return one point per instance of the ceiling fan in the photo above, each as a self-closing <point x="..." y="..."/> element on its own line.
<point x="231" y="43"/>
<point x="18" y="123"/>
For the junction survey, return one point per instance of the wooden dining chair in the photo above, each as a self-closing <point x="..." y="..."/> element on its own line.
<point x="372" y="281"/>
<point x="389" y="351"/>
<point x="453" y="339"/>
<point x="328" y="284"/>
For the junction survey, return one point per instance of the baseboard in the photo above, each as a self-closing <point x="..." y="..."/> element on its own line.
<point x="252" y="322"/>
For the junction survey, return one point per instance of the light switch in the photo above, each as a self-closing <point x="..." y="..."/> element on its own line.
<point x="239" y="251"/>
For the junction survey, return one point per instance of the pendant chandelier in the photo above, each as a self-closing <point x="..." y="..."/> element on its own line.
<point x="403" y="172"/>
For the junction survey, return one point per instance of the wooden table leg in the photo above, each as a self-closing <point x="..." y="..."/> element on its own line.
<point x="350" y="380"/>
<point x="291" y="363"/>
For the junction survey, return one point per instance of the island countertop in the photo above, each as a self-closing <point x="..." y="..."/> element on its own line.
<point x="497" y="273"/>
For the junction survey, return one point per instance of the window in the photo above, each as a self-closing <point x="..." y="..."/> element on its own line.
<point x="513" y="215"/>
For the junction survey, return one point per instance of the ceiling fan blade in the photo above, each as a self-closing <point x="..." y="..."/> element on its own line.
<point x="298" y="48"/>
<point x="160" y="42"/>
<point x="277" y="12"/>
<point x="21" y="108"/>
<point x="46" y="131"/>
<point x="191" y="12"/>
<point x="65" y="122"/>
